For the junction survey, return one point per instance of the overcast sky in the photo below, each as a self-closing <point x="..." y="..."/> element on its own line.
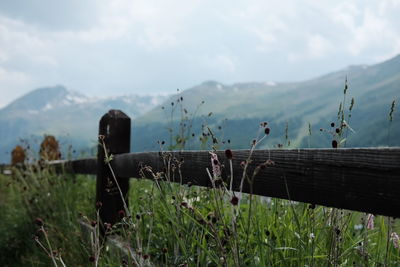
<point x="109" y="47"/>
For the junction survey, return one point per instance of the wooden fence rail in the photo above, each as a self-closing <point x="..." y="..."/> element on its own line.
<point x="360" y="179"/>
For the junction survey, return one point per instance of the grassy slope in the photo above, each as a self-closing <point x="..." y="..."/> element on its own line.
<point x="315" y="102"/>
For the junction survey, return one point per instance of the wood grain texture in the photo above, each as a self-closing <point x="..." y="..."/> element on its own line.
<point x="361" y="179"/>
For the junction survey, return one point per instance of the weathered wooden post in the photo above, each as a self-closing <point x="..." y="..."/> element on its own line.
<point x="114" y="136"/>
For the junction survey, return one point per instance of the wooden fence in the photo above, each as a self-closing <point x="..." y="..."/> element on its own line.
<point x="360" y="179"/>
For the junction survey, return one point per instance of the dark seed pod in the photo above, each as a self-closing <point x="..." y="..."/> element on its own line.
<point x="337" y="231"/>
<point x="332" y="124"/>
<point x="39" y="222"/>
<point x="99" y="204"/>
<point x="121" y="213"/>
<point x="228" y="153"/>
<point x="334" y="144"/>
<point x="235" y="200"/>
<point x="267" y="130"/>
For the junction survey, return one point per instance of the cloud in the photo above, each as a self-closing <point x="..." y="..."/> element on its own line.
<point x="13" y="83"/>
<point x="96" y="45"/>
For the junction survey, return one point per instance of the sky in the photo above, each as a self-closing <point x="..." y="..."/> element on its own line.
<point x="113" y="47"/>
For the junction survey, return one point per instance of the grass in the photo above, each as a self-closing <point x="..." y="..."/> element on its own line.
<point x="169" y="224"/>
<point x="176" y="225"/>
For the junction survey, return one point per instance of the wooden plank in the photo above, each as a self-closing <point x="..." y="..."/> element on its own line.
<point x="114" y="139"/>
<point x="82" y="166"/>
<point x="361" y="179"/>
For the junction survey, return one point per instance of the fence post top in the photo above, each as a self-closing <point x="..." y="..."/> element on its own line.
<point x="115" y="114"/>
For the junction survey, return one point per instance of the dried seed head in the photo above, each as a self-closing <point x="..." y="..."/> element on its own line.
<point x="332" y="124"/>
<point x="99" y="204"/>
<point x="267" y="130"/>
<point x="337" y="130"/>
<point x="165" y="250"/>
<point x="337" y="231"/>
<point x="121" y="213"/>
<point x="93" y="223"/>
<point x="92" y="259"/>
<point x="334" y="144"/>
<point x="228" y="153"/>
<point x="234" y="200"/>
<point x="39" y="222"/>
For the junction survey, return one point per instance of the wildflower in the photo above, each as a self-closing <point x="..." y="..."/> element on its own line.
<point x="39" y="222"/>
<point x="370" y="221"/>
<point x="121" y="213"/>
<point x="234" y="200"/>
<point x="334" y="144"/>
<point x="215" y="165"/>
<point x="337" y="231"/>
<point x="99" y="204"/>
<point x="108" y="226"/>
<point x="228" y="153"/>
<point x="395" y="239"/>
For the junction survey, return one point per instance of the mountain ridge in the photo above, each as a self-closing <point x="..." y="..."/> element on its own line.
<point x="236" y="108"/>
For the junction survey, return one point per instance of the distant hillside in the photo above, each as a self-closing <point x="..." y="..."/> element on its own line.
<point x="71" y="116"/>
<point x="235" y="112"/>
<point x="294" y="105"/>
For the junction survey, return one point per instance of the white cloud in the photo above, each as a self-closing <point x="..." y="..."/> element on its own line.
<point x="126" y="43"/>
<point x="12" y="84"/>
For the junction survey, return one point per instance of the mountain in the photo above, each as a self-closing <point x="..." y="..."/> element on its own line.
<point x="290" y="108"/>
<point x="69" y="115"/>
<point x="232" y="113"/>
